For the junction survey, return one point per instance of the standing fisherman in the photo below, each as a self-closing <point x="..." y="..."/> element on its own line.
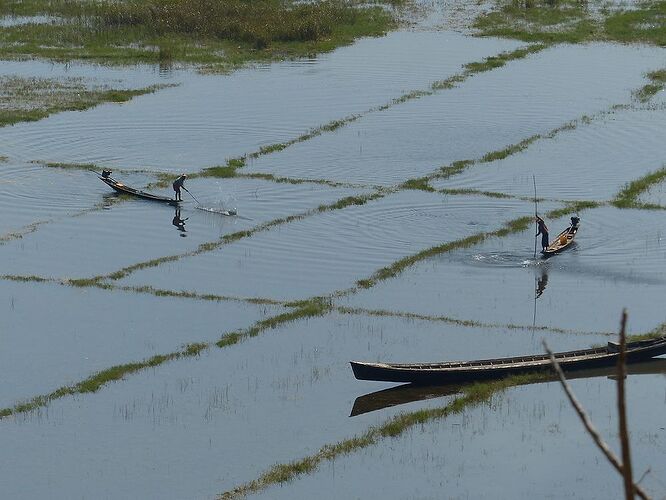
<point x="177" y="184"/>
<point x="543" y="231"/>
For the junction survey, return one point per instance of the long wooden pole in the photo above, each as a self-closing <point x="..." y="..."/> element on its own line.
<point x="536" y="212"/>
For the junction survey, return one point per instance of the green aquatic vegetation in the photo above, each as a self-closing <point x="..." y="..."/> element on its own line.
<point x="316" y="306"/>
<point x="26" y="279"/>
<point x="457" y="321"/>
<point x="489" y="194"/>
<point x="296" y="180"/>
<point x="418" y="184"/>
<point x="656" y="85"/>
<point x="470" y="395"/>
<point x="546" y="21"/>
<point x="31" y="99"/>
<point x="90" y="167"/>
<point x="643" y="23"/>
<point x="628" y="196"/>
<point x="657" y="332"/>
<point x="397" y="267"/>
<point x="221" y="33"/>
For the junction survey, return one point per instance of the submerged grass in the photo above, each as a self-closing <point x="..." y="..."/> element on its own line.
<point x="32" y="99"/>
<point x="394" y="427"/>
<point x="629" y="195"/>
<point x="316" y="306"/>
<point x="459" y="322"/>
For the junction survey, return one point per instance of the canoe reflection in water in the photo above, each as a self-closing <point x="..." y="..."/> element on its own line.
<point x="410" y="393"/>
<point x="179" y="223"/>
<point x="541" y="283"/>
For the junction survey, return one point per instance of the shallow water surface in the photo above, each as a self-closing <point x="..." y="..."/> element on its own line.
<point x="210" y="118"/>
<point x="332" y="250"/>
<point x="137" y="230"/>
<point x="592" y="162"/>
<point x="528" y="440"/>
<point x="196" y="427"/>
<point x="44" y="351"/>
<point x="486" y="113"/>
<point x="584" y="288"/>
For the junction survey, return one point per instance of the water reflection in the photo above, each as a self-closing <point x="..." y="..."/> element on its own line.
<point x="179" y="223"/>
<point x="541" y="282"/>
<point x="409" y="393"/>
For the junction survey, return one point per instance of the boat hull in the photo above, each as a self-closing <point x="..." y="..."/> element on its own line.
<point x="454" y="372"/>
<point x="123" y="189"/>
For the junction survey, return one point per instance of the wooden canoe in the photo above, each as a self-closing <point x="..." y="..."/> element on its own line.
<point x="122" y="188"/>
<point x="464" y="371"/>
<point x="409" y="393"/>
<point x="563" y="240"/>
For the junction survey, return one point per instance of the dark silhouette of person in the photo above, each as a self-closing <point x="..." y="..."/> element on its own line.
<point x="543" y="231"/>
<point x="177" y="185"/>
<point x="178" y="222"/>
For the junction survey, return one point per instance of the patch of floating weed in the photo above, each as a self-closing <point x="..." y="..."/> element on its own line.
<point x="317" y="306"/>
<point x="32" y="99"/>
<point x="470" y="395"/>
<point x="296" y="181"/>
<point x="489" y="194"/>
<point x="657" y="332"/>
<point x="628" y="196"/>
<point x="656" y="85"/>
<point x="418" y="184"/>
<point x="26" y="279"/>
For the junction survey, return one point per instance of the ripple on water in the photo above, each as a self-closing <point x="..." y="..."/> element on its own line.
<point x="225" y="409"/>
<point x="486" y="113"/>
<point x="619" y="261"/>
<point x="592" y="162"/>
<point x="332" y="250"/>
<point x="213" y="117"/>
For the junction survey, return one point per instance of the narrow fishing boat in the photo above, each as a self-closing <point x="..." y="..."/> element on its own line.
<point x="106" y="178"/>
<point x="409" y="393"/>
<point x="564" y="239"/>
<point x="484" y="369"/>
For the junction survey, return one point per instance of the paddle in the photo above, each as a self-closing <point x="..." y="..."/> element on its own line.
<point x="200" y="202"/>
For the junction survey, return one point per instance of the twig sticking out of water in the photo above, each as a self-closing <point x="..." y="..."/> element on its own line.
<point x="631" y="489"/>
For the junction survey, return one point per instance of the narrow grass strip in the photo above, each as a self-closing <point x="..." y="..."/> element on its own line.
<point x="316" y="306"/>
<point x="461" y="322"/>
<point x="628" y="196"/>
<point x="394" y="427"/>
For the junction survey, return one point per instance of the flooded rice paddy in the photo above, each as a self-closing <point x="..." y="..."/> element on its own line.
<point x="220" y="376"/>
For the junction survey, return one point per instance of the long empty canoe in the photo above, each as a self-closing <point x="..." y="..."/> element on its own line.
<point x="484" y="369"/>
<point x="122" y="188"/>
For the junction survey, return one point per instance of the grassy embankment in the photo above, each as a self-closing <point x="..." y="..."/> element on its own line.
<point x="224" y="33"/>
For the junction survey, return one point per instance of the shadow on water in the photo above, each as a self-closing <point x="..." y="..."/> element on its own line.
<point x="179" y="223"/>
<point x="409" y="393"/>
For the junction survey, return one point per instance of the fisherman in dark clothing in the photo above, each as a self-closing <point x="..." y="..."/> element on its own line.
<point x="543" y="231"/>
<point x="177" y="184"/>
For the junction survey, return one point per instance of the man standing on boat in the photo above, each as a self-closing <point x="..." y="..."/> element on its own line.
<point x="543" y="231"/>
<point x="177" y="184"/>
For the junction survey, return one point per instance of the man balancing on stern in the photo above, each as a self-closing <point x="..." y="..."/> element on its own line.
<point x="177" y="184"/>
<point x="543" y="231"/>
